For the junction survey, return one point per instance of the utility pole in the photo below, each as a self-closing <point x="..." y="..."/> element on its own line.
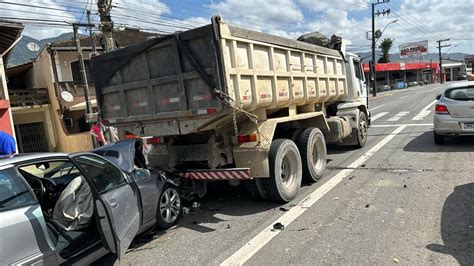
<point x="94" y="49"/>
<point x="82" y="68"/>
<point x="106" y="24"/>
<point x="372" y="66"/>
<point x="441" y="59"/>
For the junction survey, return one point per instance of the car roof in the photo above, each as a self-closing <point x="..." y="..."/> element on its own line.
<point x="23" y="157"/>
<point x="461" y="84"/>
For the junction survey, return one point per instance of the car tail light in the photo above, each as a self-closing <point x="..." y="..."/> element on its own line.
<point x="441" y="110"/>
<point x="129" y="135"/>
<point x="154" y="140"/>
<point x="247" y="138"/>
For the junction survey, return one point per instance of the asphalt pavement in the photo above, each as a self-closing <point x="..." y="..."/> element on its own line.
<point x="401" y="199"/>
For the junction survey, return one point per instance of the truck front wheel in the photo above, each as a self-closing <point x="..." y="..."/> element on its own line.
<point x="285" y="171"/>
<point x="312" y="147"/>
<point x="362" y="130"/>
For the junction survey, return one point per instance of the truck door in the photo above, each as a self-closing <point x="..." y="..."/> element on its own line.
<point x="360" y="81"/>
<point x="117" y="203"/>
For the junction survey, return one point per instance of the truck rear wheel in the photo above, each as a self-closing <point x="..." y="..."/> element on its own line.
<point x="285" y="171"/>
<point x="362" y="130"/>
<point x="312" y="147"/>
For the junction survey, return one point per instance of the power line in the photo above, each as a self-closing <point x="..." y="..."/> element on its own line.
<point x="37" y="13"/>
<point x="43" y="7"/>
<point x="85" y="8"/>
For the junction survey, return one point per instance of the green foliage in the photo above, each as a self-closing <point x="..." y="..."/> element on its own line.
<point x="385" y="46"/>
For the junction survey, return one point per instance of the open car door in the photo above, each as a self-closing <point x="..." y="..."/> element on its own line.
<point x="116" y="202"/>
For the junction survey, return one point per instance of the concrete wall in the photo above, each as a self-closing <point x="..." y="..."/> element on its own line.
<point x="38" y="114"/>
<point x="6" y="123"/>
<point x="63" y="141"/>
<point x="64" y="60"/>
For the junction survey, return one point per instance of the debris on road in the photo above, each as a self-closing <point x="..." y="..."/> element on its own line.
<point x="228" y="226"/>
<point x="405" y="186"/>
<point x="278" y="226"/>
<point x="367" y="206"/>
<point x="302" y="229"/>
<point x="185" y="210"/>
<point x="396" y="260"/>
<point x="352" y="177"/>
<point x="362" y="165"/>
<point x="336" y="198"/>
<point x="283" y="209"/>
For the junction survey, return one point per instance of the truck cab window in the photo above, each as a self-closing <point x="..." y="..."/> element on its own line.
<point x="357" y="69"/>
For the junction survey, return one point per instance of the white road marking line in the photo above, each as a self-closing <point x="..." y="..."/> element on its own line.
<point x="259" y="241"/>
<point x="404" y="97"/>
<point x="377" y="116"/>
<point x="375" y="108"/>
<point x="405" y="125"/>
<point x="398" y="116"/>
<point x="424" y="112"/>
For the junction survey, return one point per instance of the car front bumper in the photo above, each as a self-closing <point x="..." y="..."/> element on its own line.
<point x="447" y="125"/>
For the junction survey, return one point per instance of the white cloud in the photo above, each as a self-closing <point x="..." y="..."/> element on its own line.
<point x="417" y="19"/>
<point x="324" y="5"/>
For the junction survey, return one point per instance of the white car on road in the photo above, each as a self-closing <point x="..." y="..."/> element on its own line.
<point x="454" y="112"/>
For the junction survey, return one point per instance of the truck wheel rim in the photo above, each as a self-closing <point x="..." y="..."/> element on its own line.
<point x="317" y="150"/>
<point x="363" y="129"/>
<point x="288" y="170"/>
<point x="170" y="205"/>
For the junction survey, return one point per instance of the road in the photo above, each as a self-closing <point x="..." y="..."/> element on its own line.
<point x="401" y="199"/>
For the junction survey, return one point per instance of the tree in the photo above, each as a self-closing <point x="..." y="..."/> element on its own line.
<point x="385" y="46"/>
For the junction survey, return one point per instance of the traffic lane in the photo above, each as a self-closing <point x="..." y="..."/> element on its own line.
<point x="408" y="96"/>
<point x="416" y="108"/>
<point x="396" y="208"/>
<point x="225" y="220"/>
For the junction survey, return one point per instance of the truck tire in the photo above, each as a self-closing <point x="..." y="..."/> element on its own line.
<point x="362" y="130"/>
<point x="312" y="147"/>
<point x="285" y="171"/>
<point x="255" y="189"/>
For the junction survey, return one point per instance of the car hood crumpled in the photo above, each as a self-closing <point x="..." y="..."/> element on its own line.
<point x="120" y="153"/>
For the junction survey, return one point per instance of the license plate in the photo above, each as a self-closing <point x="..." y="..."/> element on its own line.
<point x="468" y="125"/>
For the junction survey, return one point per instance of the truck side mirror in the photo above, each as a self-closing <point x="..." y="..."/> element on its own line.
<point x="438" y="97"/>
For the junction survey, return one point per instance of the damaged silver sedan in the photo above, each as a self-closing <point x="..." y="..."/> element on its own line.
<point x="58" y="208"/>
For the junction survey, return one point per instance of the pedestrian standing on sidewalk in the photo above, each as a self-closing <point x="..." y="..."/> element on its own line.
<point x="96" y="131"/>
<point x="7" y="144"/>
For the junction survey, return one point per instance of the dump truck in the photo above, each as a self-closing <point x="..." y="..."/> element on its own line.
<point x="220" y="102"/>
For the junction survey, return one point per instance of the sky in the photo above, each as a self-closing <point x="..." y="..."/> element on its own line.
<point x="416" y="20"/>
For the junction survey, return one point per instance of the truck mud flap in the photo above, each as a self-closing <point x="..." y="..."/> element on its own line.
<point x="227" y="174"/>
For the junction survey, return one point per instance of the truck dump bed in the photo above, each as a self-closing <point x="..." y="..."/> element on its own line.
<point x="184" y="83"/>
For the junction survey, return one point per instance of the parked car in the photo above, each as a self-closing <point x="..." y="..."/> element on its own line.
<point x="399" y="84"/>
<point x="413" y="83"/>
<point x="454" y="112"/>
<point x="57" y="208"/>
<point x="386" y="87"/>
<point x="462" y="76"/>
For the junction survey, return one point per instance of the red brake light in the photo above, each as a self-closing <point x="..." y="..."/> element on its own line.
<point x="154" y="140"/>
<point x="247" y="138"/>
<point x="441" y="110"/>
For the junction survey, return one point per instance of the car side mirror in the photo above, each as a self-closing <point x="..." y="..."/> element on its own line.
<point x="438" y="97"/>
<point x="141" y="174"/>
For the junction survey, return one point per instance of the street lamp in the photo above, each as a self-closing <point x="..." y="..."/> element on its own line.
<point x="384" y="28"/>
<point x="449" y="50"/>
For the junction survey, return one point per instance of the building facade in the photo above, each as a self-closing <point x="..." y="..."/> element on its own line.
<point x="45" y="115"/>
<point x="10" y="34"/>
